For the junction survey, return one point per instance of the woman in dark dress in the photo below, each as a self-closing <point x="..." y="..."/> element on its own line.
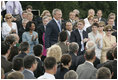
<point x="64" y="66"/>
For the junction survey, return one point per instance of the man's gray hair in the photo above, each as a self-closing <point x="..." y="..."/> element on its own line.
<point x="90" y="45"/>
<point x="73" y="47"/>
<point x="71" y="75"/>
<point x="55" y="10"/>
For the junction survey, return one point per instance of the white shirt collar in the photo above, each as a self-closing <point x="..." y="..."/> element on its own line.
<point x="80" y="30"/>
<point x="47" y="76"/>
<point x="56" y="20"/>
<point x="90" y="62"/>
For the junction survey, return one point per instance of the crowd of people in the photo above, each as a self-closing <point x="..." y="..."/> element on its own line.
<point x="50" y="47"/>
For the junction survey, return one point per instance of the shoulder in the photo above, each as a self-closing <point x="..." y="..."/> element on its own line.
<point x="4" y="23"/>
<point x="113" y="37"/>
<point x="13" y="23"/>
<point x="25" y="33"/>
<point x="34" y="32"/>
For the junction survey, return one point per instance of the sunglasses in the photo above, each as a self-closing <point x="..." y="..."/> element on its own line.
<point x="109" y="30"/>
<point x="101" y="26"/>
<point x="9" y="17"/>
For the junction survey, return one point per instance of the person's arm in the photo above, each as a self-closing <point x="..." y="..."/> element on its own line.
<point x="36" y="39"/>
<point x="3" y="7"/>
<point x="20" y="9"/>
<point x="104" y="48"/>
<point x="8" y="8"/>
<point x="16" y="28"/>
<point x="4" y="30"/>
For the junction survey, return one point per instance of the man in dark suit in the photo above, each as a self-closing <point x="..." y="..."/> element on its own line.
<point x="99" y="14"/>
<point x="73" y="52"/>
<point x="87" y="69"/>
<point x="69" y="29"/>
<point x="24" y="47"/>
<point x="30" y="64"/>
<point x="40" y="67"/>
<point x="22" y="29"/>
<point x="80" y="36"/>
<point x="5" y="51"/>
<point x="17" y="66"/>
<point x="42" y="29"/>
<point x="53" y="28"/>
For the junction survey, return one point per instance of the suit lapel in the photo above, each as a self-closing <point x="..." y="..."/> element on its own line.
<point x="57" y="25"/>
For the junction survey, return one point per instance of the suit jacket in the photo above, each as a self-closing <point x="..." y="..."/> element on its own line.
<point x="80" y="60"/>
<point x="75" y="37"/>
<point x="28" y="75"/>
<point x="40" y="32"/>
<point x="64" y="47"/>
<point x="103" y="19"/>
<point x="74" y="60"/>
<point x="51" y="34"/>
<point x="89" y="29"/>
<point x="20" y="32"/>
<point x="21" y="55"/>
<point x="40" y="68"/>
<point x="114" y="69"/>
<point x="86" y="71"/>
<point x="60" y="73"/>
<point x="5" y="64"/>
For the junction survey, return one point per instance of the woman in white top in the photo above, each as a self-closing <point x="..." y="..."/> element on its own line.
<point x="97" y="38"/>
<point x="8" y="27"/>
<point x="101" y="27"/>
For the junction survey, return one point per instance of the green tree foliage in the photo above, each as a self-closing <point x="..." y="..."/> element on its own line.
<point x="67" y="6"/>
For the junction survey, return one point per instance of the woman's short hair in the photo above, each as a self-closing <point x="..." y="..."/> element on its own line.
<point x="107" y="27"/>
<point x="44" y="12"/>
<point x="65" y="59"/>
<point x="7" y="15"/>
<point x="28" y="25"/>
<point x="55" y="51"/>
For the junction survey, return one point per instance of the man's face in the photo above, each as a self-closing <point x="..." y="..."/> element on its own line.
<point x="94" y="28"/>
<point x="80" y="25"/>
<point x="45" y="21"/>
<point x="99" y="14"/>
<point x="58" y="15"/>
<point x="69" y="26"/>
<point x="72" y="16"/>
<point x="111" y="22"/>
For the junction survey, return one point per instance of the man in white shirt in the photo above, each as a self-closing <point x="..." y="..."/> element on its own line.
<point x="50" y="68"/>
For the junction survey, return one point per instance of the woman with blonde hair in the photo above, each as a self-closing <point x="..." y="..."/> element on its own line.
<point x="45" y="13"/>
<point x="8" y="27"/>
<point x="55" y="51"/>
<point x="101" y="28"/>
<point x="109" y="42"/>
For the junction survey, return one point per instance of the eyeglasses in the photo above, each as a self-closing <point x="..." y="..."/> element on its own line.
<point x="9" y="17"/>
